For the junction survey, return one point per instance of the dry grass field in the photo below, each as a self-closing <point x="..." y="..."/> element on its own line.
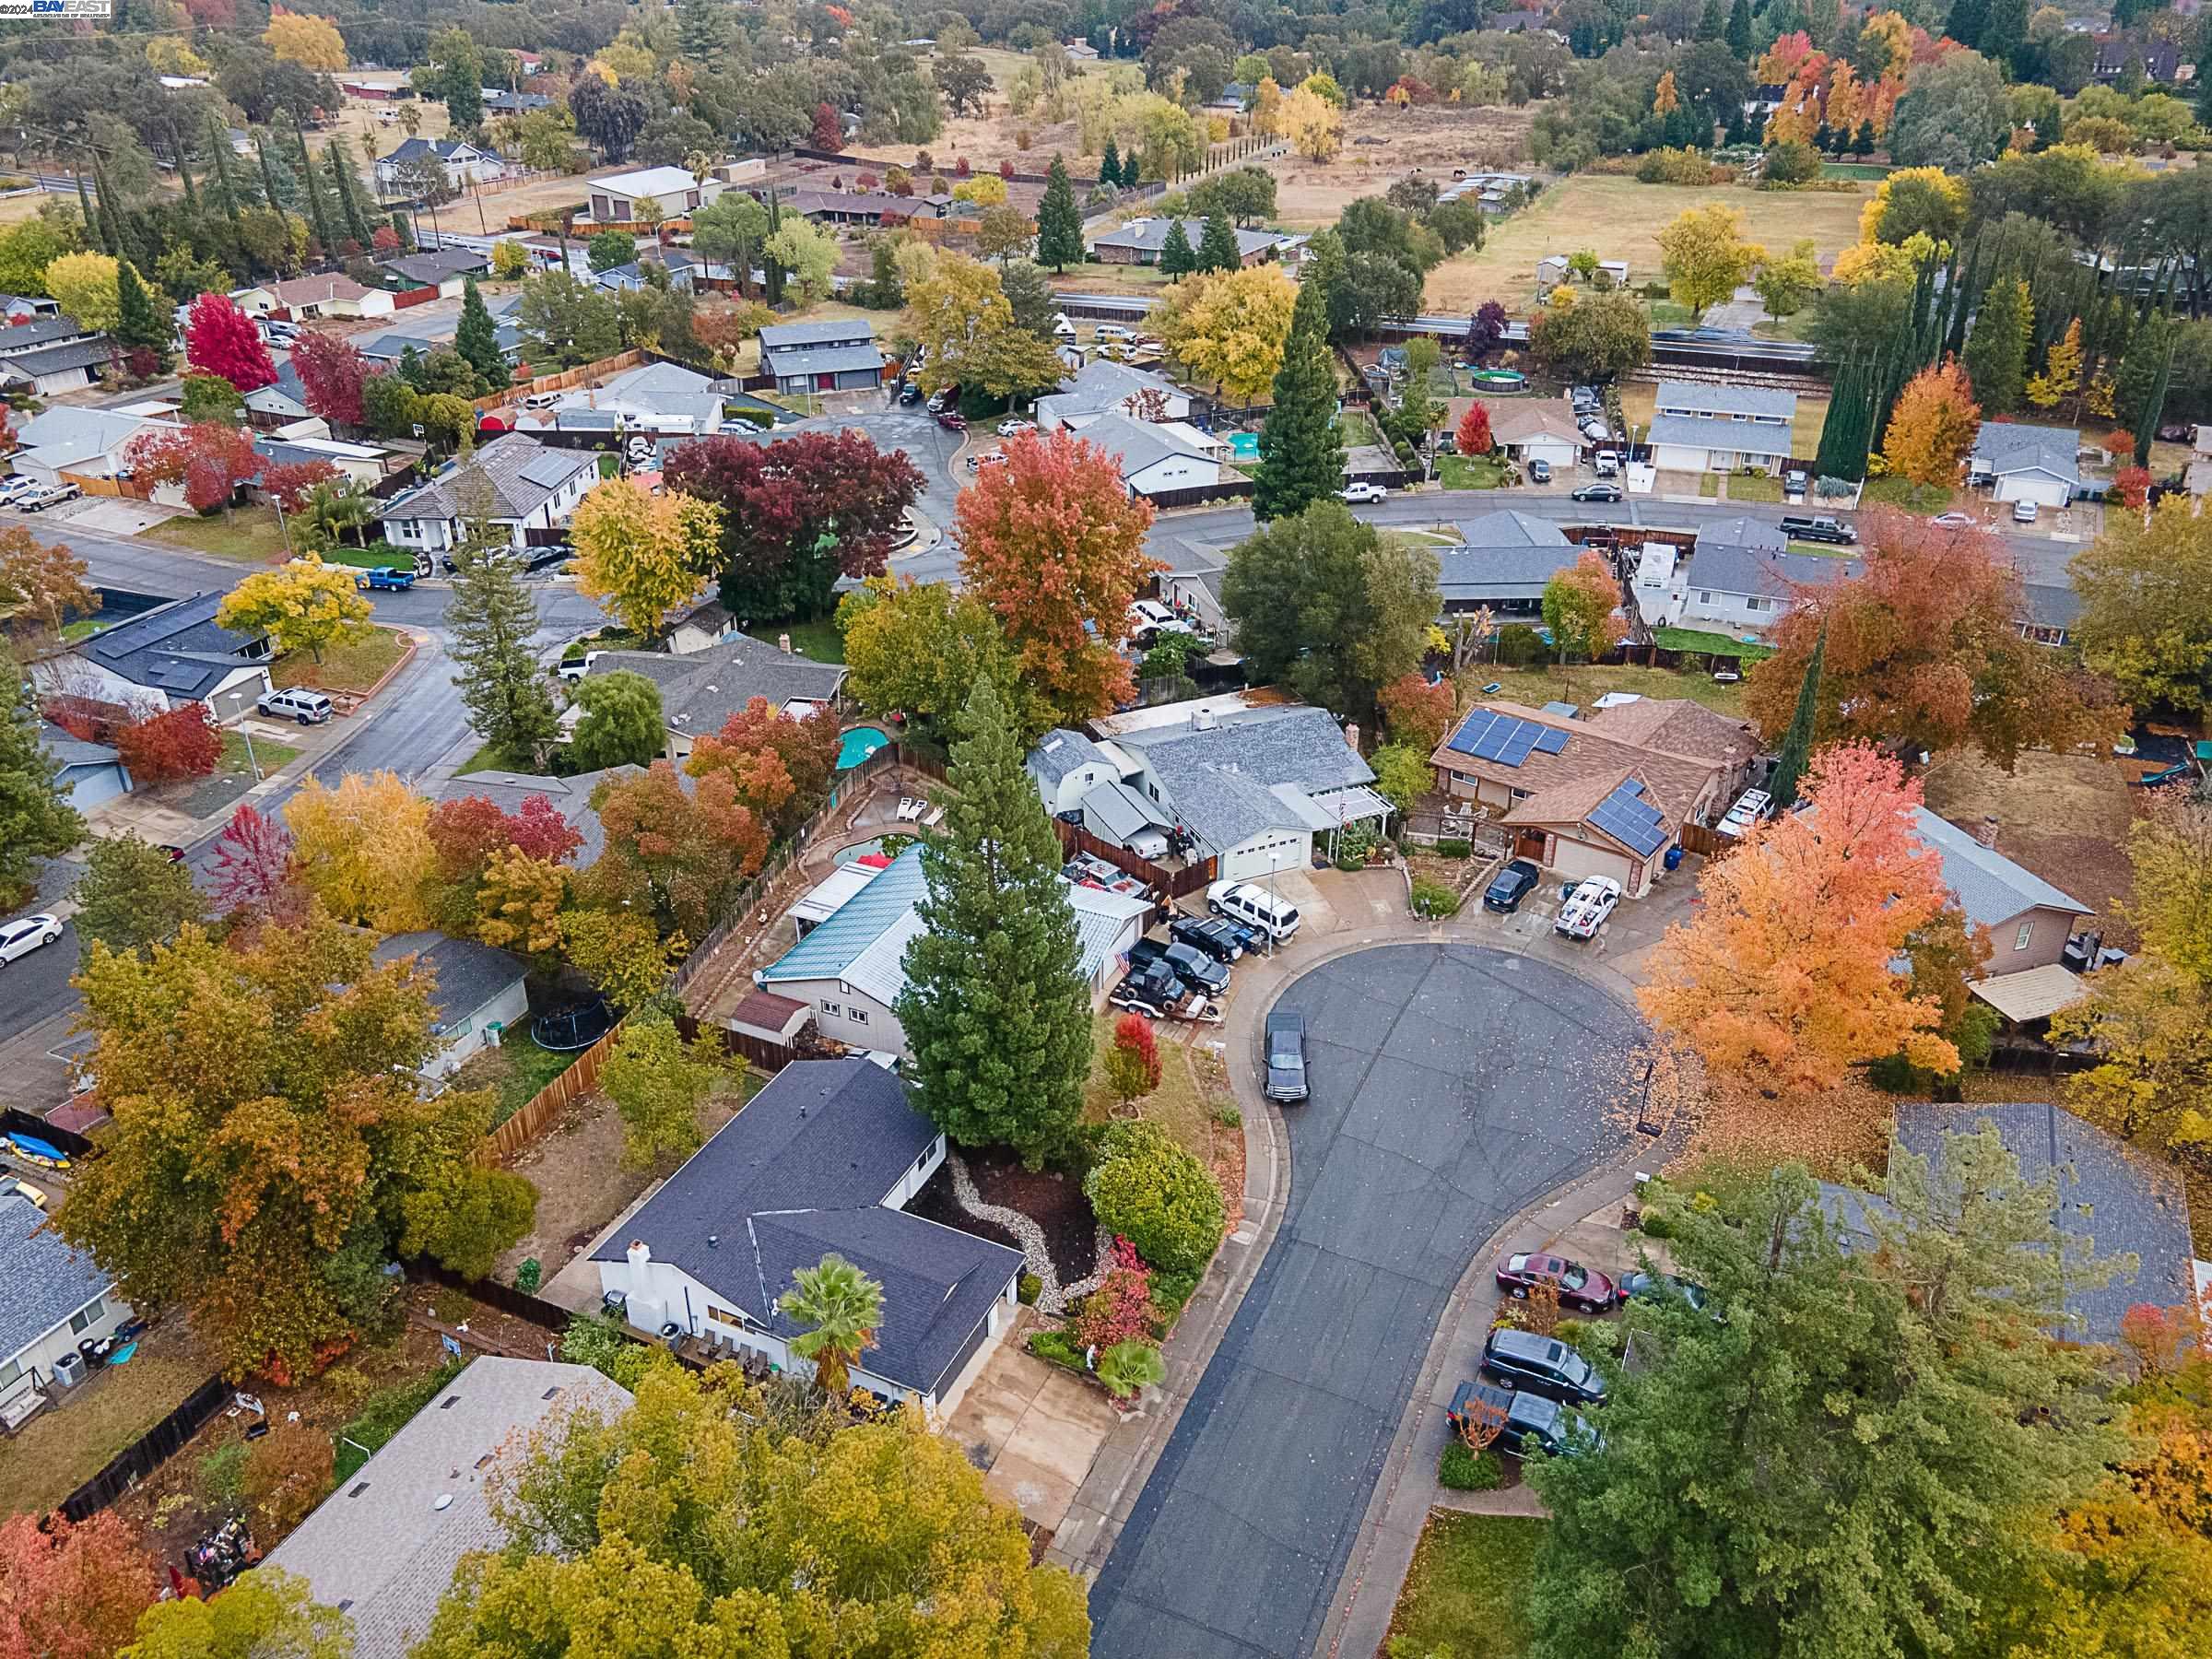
<point x="1383" y="143"/>
<point x="988" y="139"/>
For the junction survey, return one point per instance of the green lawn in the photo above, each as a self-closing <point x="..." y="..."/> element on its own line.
<point x="1467" y="1594"/>
<point x="1743" y="487"/>
<point x="817" y="641"/>
<point x="1709" y="484"/>
<point x="1823" y="550"/>
<point x="1470" y="472"/>
<point x="352" y="665"/>
<point x="1586" y="683"/>
<point x="1853" y="170"/>
<point x="65" y="1446"/>
<point x="273" y="756"/>
<point x="518" y="1068"/>
<point x="376" y="554"/>
<point x="1694" y="639"/>
<point x="1903" y="493"/>
<point x="84" y="628"/>
<point x="487" y="759"/>
<point x="250" y="533"/>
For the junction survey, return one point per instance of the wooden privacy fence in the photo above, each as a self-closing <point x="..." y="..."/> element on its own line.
<point x="1172" y="884"/>
<point x="548" y="1103"/>
<point x="1710" y="843"/>
<point x="148" y="1453"/>
<point x="407" y="298"/>
<point x="565" y="381"/>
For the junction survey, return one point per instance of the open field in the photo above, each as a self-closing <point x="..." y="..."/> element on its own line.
<point x="990" y="138"/>
<point x="1383" y="144"/>
<point x="1621" y="219"/>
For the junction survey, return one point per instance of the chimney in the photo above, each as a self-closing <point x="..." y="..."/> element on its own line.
<point x="1351" y="735"/>
<point x="1987" y="834"/>
<point x="640" y="1253"/>
<point x="783" y="644"/>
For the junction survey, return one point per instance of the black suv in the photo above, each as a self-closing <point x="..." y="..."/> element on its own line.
<point x="1543" y="1365"/>
<point x="1218" y="939"/>
<point x="1532" y="1423"/>
<point x="1192" y="966"/>
<point x="1510" y="885"/>
<point x="1286" y="1055"/>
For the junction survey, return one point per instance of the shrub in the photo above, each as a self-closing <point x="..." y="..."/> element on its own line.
<point x="1224" y="1112"/>
<point x="1157" y="1196"/>
<point x="598" y="1340"/>
<point x="1454" y="849"/>
<point x="530" y="1274"/>
<point x="1120" y="1309"/>
<point x="1521" y="646"/>
<point x="1791" y="163"/>
<point x="1674" y="167"/>
<point x="1133" y="1063"/>
<point x="1028" y="1288"/>
<point x="223" y="1478"/>
<point x="182" y="742"/>
<point x="1465" y="1471"/>
<point x="287" y="1474"/>
<point x="1054" y="1348"/>
<point x="1432" y="899"/>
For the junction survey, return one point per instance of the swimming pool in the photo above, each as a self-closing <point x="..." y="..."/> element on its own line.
<point x="858" y="744"/>
<point x="1244" y="446"/>
<point x="888" y="845"/>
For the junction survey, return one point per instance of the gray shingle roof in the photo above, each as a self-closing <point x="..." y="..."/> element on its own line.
<point x="1152" y="236"/>
<point x="1220" y="781"/>
<point x="2008" y="446"/>
<point x="1726" y="400"/>
<point x="73" y="751"/>
<point x="46" y="1280"/>
<point x="1512" y="528"/>
<point x="523" y="473"/>
<point x="62" y="436"/>
<point x="59" y="360"/>
<point x="1471" y="574"/>
<point x="436" y="264"/>
<point x="781" y="337"/>
<point x="178" y="647"/>
<point x="1742" y="435"/>
<point x="703" y="689"/>
<point x="801" y="1171"/>
<point x="571" y="798"/>
<point x="1727" y="568"/>
<point x="470" y="975"/>
<point x="1989" y="887"/>
<point x="1139" y="444"/>
<point x="1061" y="751"/>
<point x="822" y="359"/>
<point x="37" y="332"/>
<point x="2051" y="604"/>
<point x="1121" y="811"/>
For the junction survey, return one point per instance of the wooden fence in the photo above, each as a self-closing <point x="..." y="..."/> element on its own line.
<point x="566" y="380"/>
<point x="148" y="1453"/>
<point x="549" y="1102"/>
<point x="1171" y="884"/>
<point x="1709" y="844"/>
<point x="408" y="297"/>
<point x="1199" y="495"/>
<point x="93" y="484"/>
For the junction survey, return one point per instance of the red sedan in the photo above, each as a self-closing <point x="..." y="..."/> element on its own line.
<point x="1578" y="1287"/>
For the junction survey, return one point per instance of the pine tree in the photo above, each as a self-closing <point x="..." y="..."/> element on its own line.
<point x="1738" y="35"/>
<point x="1997" y="347"/>
<point x="36" y="819"/>
<point x="509" y="701"/>
<point x="1968" y="19"/>
<point x="1217" y="246"/>
<point x="192" y="193"/>
<point x="1797" y="741"/>
<point x="406" y="237"/>
<point x="317" y="216"/>
<point x="2154" y="408"/>
<point x="1110" y="165"/>
<point x="338" y="159"/>
<point x="1713" y="23"/>
<point x="477" y="339"/>
<point x="1301" y="449"/>
<point x="84" y="203"/>
<point x="225" y="185"/>
<point x="1176" y="257"/>
<point x="141" y="324"/>
<point x="1059" y="220"/>
<point x="995" y="1009"/>
<point x="272" y="188"/>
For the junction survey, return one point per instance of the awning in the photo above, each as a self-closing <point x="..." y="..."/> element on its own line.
<point x="2032" y="994"/>
<point x="1350" y="805"/>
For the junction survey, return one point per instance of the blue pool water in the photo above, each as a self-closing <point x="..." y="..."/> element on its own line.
<point x="892" y="844"/>
<point x="858" y="744"/>
<point x="1244" y="446"/>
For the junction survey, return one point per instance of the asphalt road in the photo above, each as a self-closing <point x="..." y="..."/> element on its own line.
<point x="1453" y="1084"/>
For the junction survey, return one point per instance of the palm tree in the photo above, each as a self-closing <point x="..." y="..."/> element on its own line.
<point x="844" y="1305"/>
<point x="1127" y="1368"/>
<point x="331" y="509"/>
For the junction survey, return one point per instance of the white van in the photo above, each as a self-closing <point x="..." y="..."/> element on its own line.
<point x="1113" y="331"/>
<point x="1254" y="907"/>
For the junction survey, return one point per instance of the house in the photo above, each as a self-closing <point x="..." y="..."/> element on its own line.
<point x="384" y="1547"/>
<point x="91" y="772"/>
<point x="2051" y="609"/>
<point x="514" y="481"/>
<point x="497" y="101"/>
<point x="653" y="397"/>
<point x="465" y="164"/>
<point x="571" y="797"/>
<point x="2029" y="920"/>
<point x="283" y="399"/>
<point x="1251" y="787"/>
<point x="708" y="623"/>
<point x="869" y="208"/>
<point x="38" y="333"/>
<point x="2023" y="463"/>
<point x="849" y="966"/>
<point x="1100" y="387"/>
<point x="1066" y="766"/>
<point x="701" y="691"/>
<point x="1503" y="563"/>
<point x="1680" y="726"/>
<point x="27" y="305"/>
<point x="163" y="658"/>
<point x="1140" y="241"/>
<point x="1699" y="427"/>
<point x="359" y="463"/>
<point x="822" y="1161"/>
<point x="479" y="992"/>
<point x="623" y="198"/>
<point x="53" y="370"/>
<point x="92" y="442"/>
<point x="1233" y="100"/>
<point x="308" y="296"/>
<point x="2161" y="60"/>
<point x="1525" y="429"/>
<point x="57" y="1298"/>
<point x="832" y="355"/>
<point x="1553" y="269"/>
<point x="1578" y="801"/>
<point x="1742" y="578"/>
<point x="445" y="269"/>
<point x="1156" y="458"/>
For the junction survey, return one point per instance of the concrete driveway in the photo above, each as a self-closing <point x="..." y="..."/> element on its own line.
<point x="1453" y="1086"/>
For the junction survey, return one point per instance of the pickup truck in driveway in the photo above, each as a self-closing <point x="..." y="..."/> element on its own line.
<point x="1819" y="530"/>
<point x="386" y="576"/>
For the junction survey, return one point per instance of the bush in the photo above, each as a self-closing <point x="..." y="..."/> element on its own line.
<point x="223" y="1478"/>
<point x="1521" y="646"/>
<point x="1432" y="899"/>
<point x="1054" y="1348"/>
<point x="1120" y="1309"/>
<point x="1464" y="1471"/>
<point x="1454" y="849"/>
<point x="1157" y="1196"/>
<point x="287" y="1474"/>
<point x="532" y="1272"/>
<point x="1674" y="167"/>
<point x="1224" y="1112"/>
<point x="1171" y="1293"/>
<point x="1028" y="1288"/>
<point x="598" y="1340"/>
<point x="1791" y="163"/>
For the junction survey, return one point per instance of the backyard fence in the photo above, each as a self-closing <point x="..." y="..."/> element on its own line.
<point x="1707" y="844"/>
<point x="531" y="1310"/>
<point x="756" y="1050"/>
<point x="1172" y="884"/>
<point x="149" y="1452"/>
<point x="548" y="1103"/>
<point x="1199" y="495"/>
<point x="408" y="297"/>
<point x="566" y="380"/>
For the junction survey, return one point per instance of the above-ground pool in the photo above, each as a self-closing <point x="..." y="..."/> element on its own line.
<point x="1501" y="379"/>
<point x="858" y="744"/>
<point x="1244" y="446"/>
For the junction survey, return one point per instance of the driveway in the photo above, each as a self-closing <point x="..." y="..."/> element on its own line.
<point x="1453" y="1086"/>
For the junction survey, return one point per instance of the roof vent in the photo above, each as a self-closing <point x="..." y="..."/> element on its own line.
<point x="713" y="1240"/>
<point x="444" y="1500"/>
<point x="358" y="1489"/>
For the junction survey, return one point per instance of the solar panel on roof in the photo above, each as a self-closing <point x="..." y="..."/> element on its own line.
<point x="548" y="471"/>
<point x="1471" y="730"/>
<point x="1630" y="819"/>
<point x="1549" y="742"/>
<point x="1518" y="743"/>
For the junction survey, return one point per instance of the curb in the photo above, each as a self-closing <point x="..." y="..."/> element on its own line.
<point x="406" y="657"/>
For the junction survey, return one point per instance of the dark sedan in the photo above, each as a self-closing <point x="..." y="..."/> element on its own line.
<point x="1286" y="1055"/>
<point x="1510" y="885"/>
<point x="1661" y="1286"/>
<point x="1210" y="934"/>
<point x="1596" y="492"/>
<point x="1578" y="1285"/>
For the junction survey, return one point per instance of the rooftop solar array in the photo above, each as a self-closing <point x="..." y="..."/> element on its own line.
<point x="1506" y="738"/>
<point x="1630" y="820"/>
<point x="550" y="471"/>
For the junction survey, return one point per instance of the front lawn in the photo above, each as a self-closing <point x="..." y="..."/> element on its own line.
<point x="1467" y="1594"/>
<point x="487" y="759"/>
<point x="817" y="641"/>
<point x="273" y="756"/>
<point x="1586" y="683"/>
<point x="1743" y="487"/>
<point x="375" y="555"/>
<point x="352" y="665"/>
<point x="1470" y="472"/>
<point x="1902" y="492"/>
<point x="1709" y="484"/>
<point x="1176" y="1105"/>
<point x="250" y="533"/>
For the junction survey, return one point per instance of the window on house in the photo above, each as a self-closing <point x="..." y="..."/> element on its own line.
<point x="1520" y="795"/>
<point x="859" y="1014"/>
<point x="724" y="1316"/>
<point x="1705" y="599"/>
<point x="831" y="1007"/>
<point x="1759" y="604"/>
<point x="2020" y="940"/>
<point x="922" y="1163"/>
<point x="10" y="1372"/>
<point x="85" y="1317"/>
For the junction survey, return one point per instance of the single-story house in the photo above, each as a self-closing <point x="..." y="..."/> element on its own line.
<point x="303" y="296"/>
<point x="518" y="482"/>
<point x="90" y="441"/>
<point x="1537" y="429"/>
<point x="91" y="772"/>
<point x="618" y="198"/>
<point x="1552" y="270"/>
<point x="1742" y="578"/>
<point x="822" y="1161"/>
<point x="359" y="462"/>
<point x="445" y="269"/>
<point x="1140" y="241"/>
<point x="53" y="370"/>
<point x="2029" y="920"/>
<point x="1699" y="427"/>
<point x="2023" y="463"/>
<point x="27" y="305"/>
<point x="849" y="207"/>
<point x="1100" y="387"/>
<point x="1680" y="726"/>
<point x="384" y="1547"/>
<point x="283" y="399"/>
<point x="849" y="967"/>
<point x="35" y="332"/>
<point x="497" y="101"/>
<point x="1503" y="563"/>
<point x="700" y="692"/>
<point x="1157" y="457"/>
<point x="478" y="988"/>
<point x="464" y="163"/>
<point x="163" y="658"/>
<point x="653" y="397"/>
<point x="1577" y="800"/>
<point x="57" y="1298"/>
<point x="2052" y="608"/>
<point x="570" y="796"/>
<point x="833" y="355"/>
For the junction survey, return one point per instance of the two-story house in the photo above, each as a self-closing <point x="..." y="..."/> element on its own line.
<point x="514" y="481"/>
<point x="1698" y="427"/>
<point x="832" y="355"/>
<point x="464" y="163"/>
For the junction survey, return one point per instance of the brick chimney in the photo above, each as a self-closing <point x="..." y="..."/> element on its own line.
<point x="1987" y="834"/>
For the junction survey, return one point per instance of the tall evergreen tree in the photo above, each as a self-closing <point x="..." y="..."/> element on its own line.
<point x="406" y="238"/>
<point x="1059" y="219"/>
<point x="477" y="339"/>
<point x="1301" y="448"/>
<point x="36" y="819"/>
<point x="142" y="323"/>
<point x="771" y="272"/>
<point x="510" y="705"/>
<point x="1177" y="258"/>
<point x="110" y="215"/>
<point x="226" y="186"/>
<point x="1738" y="35"/>
<point x="192" y="191"/>
<point x="2153" y="410"/>
<point x="1109" y="164"/>
<point x="995" y="1010"/>
<point x="84" y="203"/>
<point x="1996" y="345"/>
<point x="1796" y="752"/>
<point x="1969" y="21"/>
<point x="318" y="217"/>
<point x="338" y="157"/>
<point x="1713" y="23"/>
<point x="1846" y="429"/>
<point x="272" y="184"/>
<point x="1217" y="244"/>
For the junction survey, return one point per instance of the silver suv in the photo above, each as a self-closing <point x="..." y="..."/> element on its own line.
<point x="309" y="708"/>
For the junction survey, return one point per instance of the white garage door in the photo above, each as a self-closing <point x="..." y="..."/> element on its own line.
<point x="1557" y="451"/>
<point x="1575" y="860"/>
<point x="1251" y="861"/>
<point x="2034" y="487"/>
<point x="1681" y="458"/>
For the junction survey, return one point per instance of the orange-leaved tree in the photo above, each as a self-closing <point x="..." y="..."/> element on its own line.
<point x="71" y="1592"/>
<point x="1581" y="608"/>
<point x="1785" y="977"/>
<point x="1932" y="425"/>
<point x="1417" y="711"/>
<point x="1473" y="438"/>
<point x="1051" y="540"/>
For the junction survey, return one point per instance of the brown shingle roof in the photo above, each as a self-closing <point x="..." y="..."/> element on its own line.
<point x="1678" y="725"/>
<point x="1590" y="758"/>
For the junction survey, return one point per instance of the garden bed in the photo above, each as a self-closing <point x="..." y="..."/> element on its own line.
<point x="1052" y="1199"/>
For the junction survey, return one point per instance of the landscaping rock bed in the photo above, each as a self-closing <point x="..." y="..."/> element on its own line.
<point x="1043" y="1215"/>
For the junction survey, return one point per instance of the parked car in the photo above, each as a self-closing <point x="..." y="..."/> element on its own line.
<point x="1796" y="482"/>
<point x="309" y="708"/>
<point x="386" y="576"/>
<point x="1539" y="472"/>
<point x="1661" y="1286"/>
<point x="2023" y="512"/>
<point x="1191" y="966"/>
<point x="1113" y="331"/>
<point x="538" y="558"/>
<point x="1953" y="520"/>
<point x="42" y="496"/>
<point x="20" y="938"/>
<point x="1286" y="1055"/>
<point x="1361" y="491"/>
<point x="1531" y="1422"/>
<point x="1596" y="492"/>
<point x="15" y="486"/>
<point x="1151" y="988"/>
<point x="573" y="669"/>
<point x="910" y="393"/>
<point x="1210" y="934"/>
<point x="1579" y="1286"/>
<point x="1256" y="907"/>
<point x="1750" y="807"/>
<point x="1541" y="1365"/>
<point x="1510" y="885"/>
<point x="1585" y="912"/>
<point x="952" y="421"/>
<point x="1013" y="428"/>
<point x="1818" y="527"/>
<point x="451" y="564"/>
<point x="1597" y="430"/>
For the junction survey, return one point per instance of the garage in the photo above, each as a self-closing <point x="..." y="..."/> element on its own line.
<point x="1682" y="457"/>
<point x="1255" y="859"/>
<point x="2038" y="487"/>
<point x="1576" y="861"/>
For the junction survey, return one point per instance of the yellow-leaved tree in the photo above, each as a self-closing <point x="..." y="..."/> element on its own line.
<point x="1313" y="124"/>
<point x="303" y="606"/>
<point x="1706" y="256"/>
<point x="85" y="283"/>
<point x="646" y="558"/>
<point x="364" y="849"/>
<point x="1229" y="328"/>
<point x="518" y="908"/>
<point x="2061" y="377"/>
<point x="312" y="42"/>
<point x="1932" y="426"/>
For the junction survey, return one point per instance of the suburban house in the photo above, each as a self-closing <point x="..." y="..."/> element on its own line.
<point x="497" y="101"/>
<point x="38" y="333"/>
<point x="849" y="966"/>
<point x="2021" y="462"/>
<point x="1503" y="564"/>
<point x="622" y="198"/>
<point x="465" y="164"/>
<point x="653" y="397"/>
<point x="382" y="1548"/>
<point x="27" y="305"/>
<point x="1066" y="766"/>
<point x="359" y="463"/>
<point x="514" y="481"/>
<point x="1553" y="269"/>
<point x="1540" y="428"/>
<point x="283" y="399"/>
<point x="1679" y="726"/>
<point x="308" y="296"/>
<point x="92" y="442"/>
<point x="869" y="208"/>
<point x="479" y="992"/>
<point x="445" y="269"/>
<point x="57" y="1298"/>
<point x="1100" y="387"/>
<point x="1741" y="578"/>
<point x="822" y="1162"/>
<point x="2161" y="60"/>
<point x="571" y="798"/>
<point x="2052" y="608"/>
<point x="837" y="354"/>
<point x="1699" y="427"/>
<point x="91" y="772"/>
<point x="50" y="370"/>
<point x="163" y="658"/>
<point x="1157" y="457"/>
<point x="1140" y="241"/>
<point x="2029" y="920"/>
<point x="700" y="692"/>
<point x="1577" y="800"/>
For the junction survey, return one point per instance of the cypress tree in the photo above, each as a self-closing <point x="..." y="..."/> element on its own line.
<point x="269" y="186"/>
<point x="1738" y="35"/>
<point x="316" y="215"/>
<point x="1301" y="448"/>
<point x="1844" y="432"/>
<point x="192" y="195"/>
<point x="1796" y="752"/>
<point x="995" y="1010"/>
<point x="1217" y="246"/>
<point x="1109" y="164"/>
<point x="769" y="268"/>
<point x="1059" y="220"/>
<point x="1176" y="257"/>
<point x="2154" y="408"/>
<point x="1997" y="347"/>
<point x="338" y="159"/>
<point x="406" y="237"/>
<point x="226" y="186"/>
<point x="84" y="203"/>
<point x="1713" y="23"/>
<point x="476" y="340"/>
<point x="141" y="324"/>
<point x="110" y="215"/>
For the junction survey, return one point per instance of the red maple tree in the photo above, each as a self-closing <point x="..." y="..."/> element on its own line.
<point x="211" y="459"/>
<point x="1132" y="1064"/>
<point x="182" y="742"/>
<point x="1473" y="438"/>
<point x="289" y="482"/>
<point x="71" y="1592"/>
<point x="1120" y="1309"/>
<point x="828" y="132"/>
<point x="1054" y="544"/>
<point x="221" y="339"/>
<point x="467" y="832"/>
<point x="2133" y="485"/>
<point x="383" y="239"/>
<point x="332" y="372"/>
<point x="782" y="767"/>
<point x="254" y="865"/>
<point x="1417" y="711"/>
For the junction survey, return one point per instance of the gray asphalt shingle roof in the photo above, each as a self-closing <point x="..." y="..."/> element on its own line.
<point x="782" y="337"/>
<point x="37" y="332"/>
<point x="73" y="751"/>
<point x="1510" y="528"/>
<point x="1061" y="751"/>
<point x="178" y="647"/>
<point x="1469" y="574"/>
<point x="1729" y="567"/>
<point x="46" y="1280"/>
<point x="1152" y="236"/>
<point x="701" y="690"/>
<point x="1990" y="887"/>
<point x="470" y="975"/>
<point x="571" y="798"/>
<point x="1740" y="435"/>
<point x="1139" y="444"/>
<point x="59" y="360"/>
<point x="1698" y="396"/>
<point x="522" y="475"/>
<point x="822" y="359"/>
<point x="2009" y="446"/>
<point x="1220" y="781"/>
